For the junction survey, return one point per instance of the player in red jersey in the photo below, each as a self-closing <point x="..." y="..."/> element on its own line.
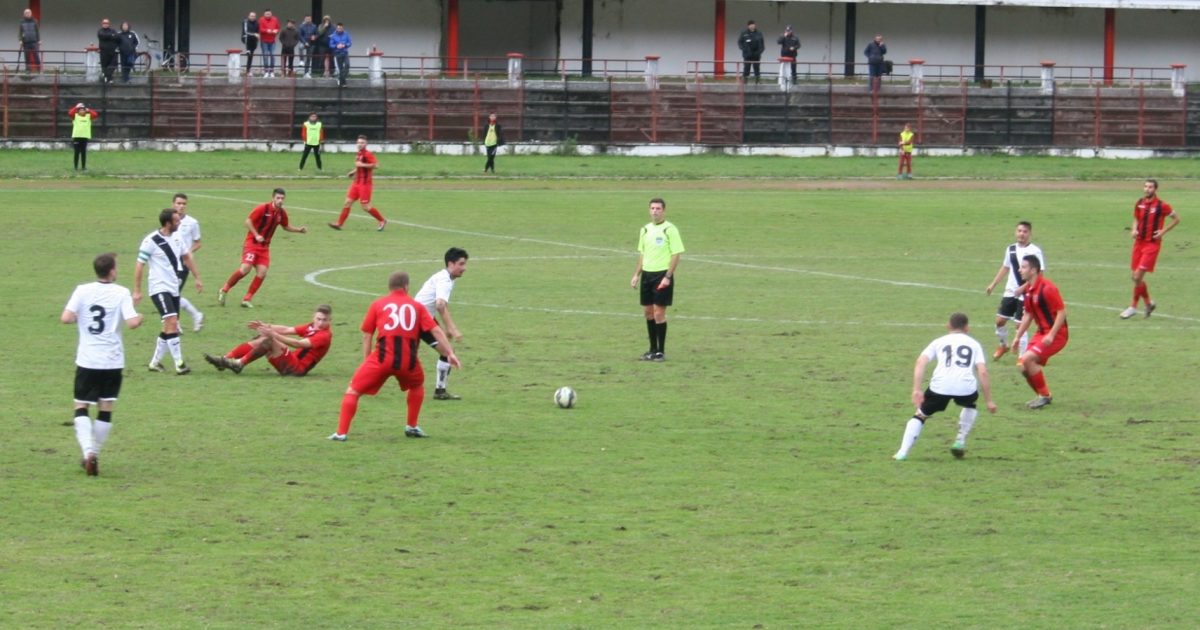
<point x="256" y="251"/>
<point x="360" y="191"/>
<point x="293" y="350"/>
<point x="395" y="322"/>
<point x="1043" y="304"/>
<point x="1149" y="213"/>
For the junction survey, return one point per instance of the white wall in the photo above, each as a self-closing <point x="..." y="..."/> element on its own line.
<point x="677" y="30"/>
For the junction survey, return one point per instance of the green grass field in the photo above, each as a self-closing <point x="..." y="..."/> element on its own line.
<point x="746" y="482"/>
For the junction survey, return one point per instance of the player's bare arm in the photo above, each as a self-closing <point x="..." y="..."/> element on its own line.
<point x="190" y="263"/>
<point x="1059" y="320"/>
<point x="138" y="269"/>
<point x="443" y="309"/>
<point x="985" y="386"/>
<point x="1004" y="271"/>
<point x="918" y="393"/>
<point x="1026" y="320"/>
<point x="366" y="346"/>
<point x="1174" y="221"/>
<point x="670" y="271"/>
<point x="444" y="344"/>
<point x="303" y="229"/>
<point x="68" y="317"/>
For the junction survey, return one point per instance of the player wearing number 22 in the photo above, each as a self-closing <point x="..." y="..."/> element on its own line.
<point x="256" y="251"/>
<point x="957" y="357"/>
<point x="391" y="335"/>
<point x="1043" y="304"/>
<point x="98" y="308"/>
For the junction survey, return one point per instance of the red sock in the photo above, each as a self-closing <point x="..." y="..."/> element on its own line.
<point x="343" y="216"/>
<point x="375" y="213"/>
<point x="254" y="285"/>
<point x="240" y="351"/>
<point x="1142" y="289"/>
<point x="349" y="408"/>
<point x="255" y="352"/>
<point x="233" y="279"/>
<point x="416" y="396"/>
<point x="1038" y="383"/>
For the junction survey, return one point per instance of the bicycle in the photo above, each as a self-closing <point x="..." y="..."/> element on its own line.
<point x="155" y="57"/>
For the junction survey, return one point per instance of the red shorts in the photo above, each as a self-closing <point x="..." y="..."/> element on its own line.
<point x="288" y="365"/>
<point x="371" y="375"/>
<point x="1045" y="352"/>
<point x="1145" y="254"/>
<point x="256" y="255"/>
<point x="359" y="192"/>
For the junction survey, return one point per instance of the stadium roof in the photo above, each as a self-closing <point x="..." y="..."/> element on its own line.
<point x="1055" y="4"/>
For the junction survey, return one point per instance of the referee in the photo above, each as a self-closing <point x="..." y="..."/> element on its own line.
<point x="659" y="247"/>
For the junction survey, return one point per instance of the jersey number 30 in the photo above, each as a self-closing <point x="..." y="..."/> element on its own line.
<point x="403" y="317"/>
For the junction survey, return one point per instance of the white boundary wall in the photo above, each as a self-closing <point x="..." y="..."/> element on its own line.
<point x="676" y="30"/>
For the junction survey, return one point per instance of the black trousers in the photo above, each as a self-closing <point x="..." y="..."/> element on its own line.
<point x="751" y="62"/>
<point x="315" y="149"/>
<point x="80" y="152"/>
<point x="108" y="63"/>
<point x="491" y="163"/>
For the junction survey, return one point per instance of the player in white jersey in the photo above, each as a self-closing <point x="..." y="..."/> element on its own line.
<point x="189" y="235"/>
<point x="435" y="295"/>
<point x="1013" y="303"/>
<point x="162" y="250"/>
<point x="98" y="308"/>
<point x="958" y="358"/>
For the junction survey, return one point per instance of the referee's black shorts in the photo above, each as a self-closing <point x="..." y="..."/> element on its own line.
<point x="651" y="294"/>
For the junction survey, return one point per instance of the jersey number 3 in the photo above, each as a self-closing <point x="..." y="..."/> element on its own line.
<point x="98" y="314"/>
<point x="403" y="317"/>
<point x="963" y="353"/>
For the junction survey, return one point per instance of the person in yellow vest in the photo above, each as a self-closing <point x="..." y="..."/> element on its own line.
<point x="906" y="153"/>
<point x="81" y="131"/>
<point x="313" y="134"/>
<point x="492" y="140"/>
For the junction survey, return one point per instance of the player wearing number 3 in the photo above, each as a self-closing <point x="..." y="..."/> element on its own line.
<point x="391" y="335"/>
<point x="958" y="358"/>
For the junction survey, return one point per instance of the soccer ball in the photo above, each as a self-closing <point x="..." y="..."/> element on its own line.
<point x="564" y="397"/>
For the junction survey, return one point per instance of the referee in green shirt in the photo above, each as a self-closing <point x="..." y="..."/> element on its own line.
<point x="659" y="247"/>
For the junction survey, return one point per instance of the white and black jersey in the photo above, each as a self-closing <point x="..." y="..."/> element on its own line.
<point x="954" y="356"/>
<point x="164" y="256"/>
<point x="437" y="287"/>
<point x="101" y="308"/>
<point x="189" y="233"/>
<point x="1013" y="255"/>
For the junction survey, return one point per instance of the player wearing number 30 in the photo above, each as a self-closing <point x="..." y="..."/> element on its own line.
<point x="957" y="358"/>
<point x="392" y="333"/>
<point x="98" y="307"/>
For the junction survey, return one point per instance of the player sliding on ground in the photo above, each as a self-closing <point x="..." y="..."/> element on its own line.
<point x="292" y="350"/>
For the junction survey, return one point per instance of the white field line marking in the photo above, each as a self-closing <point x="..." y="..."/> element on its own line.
<point x="702" y="259"/>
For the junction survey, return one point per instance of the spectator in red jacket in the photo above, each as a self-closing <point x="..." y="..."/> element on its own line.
<point x="81" y="131"/>
<point x="268" y="32"/>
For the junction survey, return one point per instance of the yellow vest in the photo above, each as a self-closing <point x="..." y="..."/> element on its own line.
<point x="906" y="144"/>
<point x="312" y="133"/>
<point x="81" y="127"/>
<point x="491" y="139"/>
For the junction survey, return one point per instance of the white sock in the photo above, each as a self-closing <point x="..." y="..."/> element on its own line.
<point x="176" y="346"/>
<point x="1024" y="342"/>
<point x="186" y="305"/>
<point x="912" y="431"/>
<point x="160" y="348"/>
<point x="966" y="420"/>
<point x="100" y="431"/>
<point x="83" y="433"/>
<point x="443" y="373"/>
<point x="1002" y="335"/>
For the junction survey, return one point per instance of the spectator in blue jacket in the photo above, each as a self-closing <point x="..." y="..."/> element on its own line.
<point x="339" y="43"/>
<point x="308" y="39"/>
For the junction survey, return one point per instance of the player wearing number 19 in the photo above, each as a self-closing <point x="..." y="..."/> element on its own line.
<point x="391" y="335"/>
<point x="98" y="308"/>
<point x="958" y="358"/>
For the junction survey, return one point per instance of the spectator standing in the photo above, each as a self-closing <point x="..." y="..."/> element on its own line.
<point x="289" y="38"/>
<point x="324" y="31"/>
<point x="875" y="52"/>
<point x="250" y="39"/>
<point x="752" y="46"/>
<point x="127" y="44"/>
<point x="268" y="33"/>
<point x="492" y="139"/>
<point x="339" y="43"/>
<point x="81" y="131"/>
<point x="308" y="44"/>
<point x="789" y="46"/>
<point x="313" y="134"/>
<point x="31" y="41"/>
<point x="107" y="40"/>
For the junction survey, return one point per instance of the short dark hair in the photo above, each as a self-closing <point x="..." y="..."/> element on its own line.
<point x="361" y="137"/>
<point x="398" y="280"/>
<point x="340" y="24"/>
<point x="164" y="217"/>
<point x="325" y="309"/>
<point x="1026" y="224"/>
<point x="749" y="22"/>
<point x="455" y="254"/>
<point x="659" y="200"/>
<point x="104" y="264"/>
<point x="179" y="196"/>
<point x="1033" y="262"/>
<point x="1153" y="181"/>
<point x="958" y="321"/>
<point x="279" y="191"/>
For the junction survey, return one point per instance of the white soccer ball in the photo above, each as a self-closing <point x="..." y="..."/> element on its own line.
<point x="564" y="397"/>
